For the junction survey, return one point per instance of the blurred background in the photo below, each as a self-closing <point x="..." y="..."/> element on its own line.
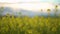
<point x="29" y="16"/>
<point x="30" y="7"/>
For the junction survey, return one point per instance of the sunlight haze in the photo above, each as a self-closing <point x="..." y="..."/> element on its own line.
<point x="34" y="5"/>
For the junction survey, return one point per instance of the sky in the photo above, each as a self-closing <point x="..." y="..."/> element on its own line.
<point x="30" y="4"/>
<point x="14" y="1"/>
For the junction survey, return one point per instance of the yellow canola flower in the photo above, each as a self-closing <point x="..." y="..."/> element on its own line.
<point x="29" y="31"/>
<point x="54" y="29"/>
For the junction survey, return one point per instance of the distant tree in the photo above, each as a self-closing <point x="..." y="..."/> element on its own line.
<point x="19" y="14"/>
<point x="48" y="10"/>
<point x="8" y="15"/>
<point x="41" y="12"/>
<point x="1" y="10"/>
<point x="56" y="9"/>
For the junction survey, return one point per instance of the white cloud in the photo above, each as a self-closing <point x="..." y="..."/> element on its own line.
<point x="9" y="1"/>
<point x="27" y="6"/>
<point x="14" y="1"/>
<point x="31" y="6"/>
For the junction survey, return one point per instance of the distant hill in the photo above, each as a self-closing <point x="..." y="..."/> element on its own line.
<point x="23" y="12"/>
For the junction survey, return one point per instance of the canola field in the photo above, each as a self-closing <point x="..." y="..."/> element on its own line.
<point x="29" y="25"/>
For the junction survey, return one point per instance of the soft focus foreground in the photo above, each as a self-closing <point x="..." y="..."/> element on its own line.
<point x="29" y="25"/>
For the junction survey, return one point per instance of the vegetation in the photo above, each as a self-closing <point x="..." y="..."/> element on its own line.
<point x="27" y="25"/>
<point x="1" y="10"/>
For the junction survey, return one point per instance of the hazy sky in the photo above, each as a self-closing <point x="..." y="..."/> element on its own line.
<point x="14" y="1"/>
<point x="31" y="4"/>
